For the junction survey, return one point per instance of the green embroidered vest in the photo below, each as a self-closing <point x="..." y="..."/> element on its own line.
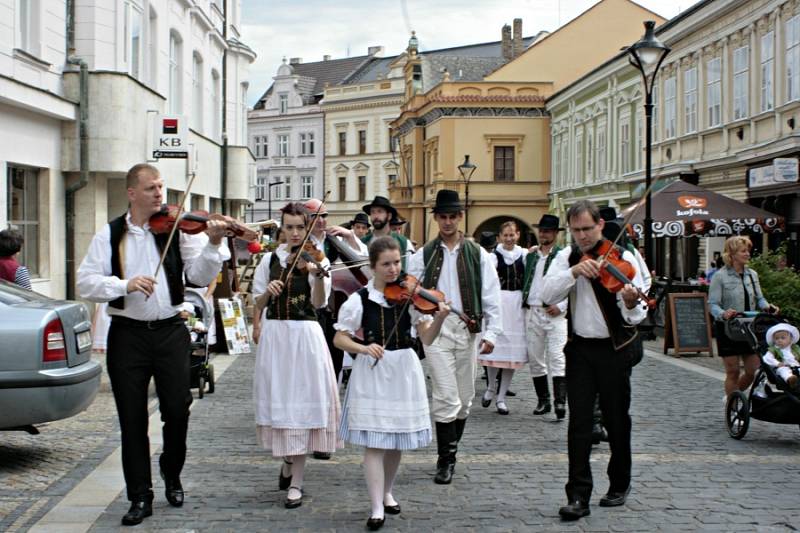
<point x="469" y="276"/>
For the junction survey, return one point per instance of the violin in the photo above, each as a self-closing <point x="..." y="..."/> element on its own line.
<point x="195" y="222"/>
<point x="310" y="254"/>
<point x="406" y="287"/>
<point x="615" y="272"/>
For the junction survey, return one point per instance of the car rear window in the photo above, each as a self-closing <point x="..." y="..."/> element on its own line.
<point x="11" y="294"/>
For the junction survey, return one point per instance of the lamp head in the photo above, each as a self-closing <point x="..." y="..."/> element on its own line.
<point x="466" y="169"/>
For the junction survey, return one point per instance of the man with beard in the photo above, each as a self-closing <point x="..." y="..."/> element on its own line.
<point x="381" y="212"/>
<point x="465" y="273"/>
<point x="546" y="322"/>
<point x="603" y="344"/>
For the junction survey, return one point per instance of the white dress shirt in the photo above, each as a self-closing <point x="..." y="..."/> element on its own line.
<point x="448" y="284"/>
<point x="202" y="262"/>
<point x="587" y="318"/>
<point x="535" y="300"/>
<point x="788" y="357"/>
<point x="261" y="277"/>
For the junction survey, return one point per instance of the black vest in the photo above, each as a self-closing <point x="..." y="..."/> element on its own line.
<point x="294" y="302"/>
<point x="173" y="262"/>
<point x="511" y="276"/>
<point x="378" y="321"/>
<point x="622" y="333"/>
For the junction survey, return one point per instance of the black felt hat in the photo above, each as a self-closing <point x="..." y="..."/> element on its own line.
<point x="548" y="222"/>
<point x="397" y="221"/>
<point x="447" y="201"/>
<point x="361" y="218"/>
<point x="380" y="201"/>
<point x="608" y="213"/>
<point x="488" y="239"/>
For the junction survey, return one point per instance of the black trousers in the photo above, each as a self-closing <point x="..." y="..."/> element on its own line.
<point x="135" y="354"/>
<point x="326" y="321"/>
<point x="594" y="368"/>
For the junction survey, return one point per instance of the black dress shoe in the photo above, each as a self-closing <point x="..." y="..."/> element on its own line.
<point x="392" y="509"/>
<point x="444" y="473"/>
<point x="140" y="509"/>
<point x="374" y="524"/>
<point x="284" y="482"/>
<point x="575" y="510"/>
<point x="511" y="393"/>
<point x="322" y="456"/>
<point x="542" y="407"/>
<point x="614" y="499"/>
<point x="173" y="490"/>
<point x="296" y="502"/>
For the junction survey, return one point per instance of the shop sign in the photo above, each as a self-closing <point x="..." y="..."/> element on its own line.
<point x="783" y="170"/>
<point x="169" y="137"/>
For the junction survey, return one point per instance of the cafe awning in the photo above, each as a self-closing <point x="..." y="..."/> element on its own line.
<point x="682" y="209"/>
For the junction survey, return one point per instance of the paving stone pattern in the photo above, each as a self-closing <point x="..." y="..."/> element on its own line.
<point x="688" y="473"/>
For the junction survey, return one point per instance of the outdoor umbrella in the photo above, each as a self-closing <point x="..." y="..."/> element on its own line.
<point x="681" y="209"/>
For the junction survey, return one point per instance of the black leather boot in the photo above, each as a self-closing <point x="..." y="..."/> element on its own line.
<point x="560" y="393"/>
<point x="460" y="423"/>
<point x="598" y="431"/>
<point x="542" y="394"/>
<point x="447" y="444"/>
<point x="141" y="508"/>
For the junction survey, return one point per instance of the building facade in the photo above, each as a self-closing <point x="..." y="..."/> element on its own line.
<point x="727" y="99"/>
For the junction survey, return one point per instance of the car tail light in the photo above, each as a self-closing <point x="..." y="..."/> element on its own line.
<point x="54" y="346"/>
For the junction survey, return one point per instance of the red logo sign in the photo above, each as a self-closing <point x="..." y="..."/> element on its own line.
<point x="169" y="126"/>
<point x="689" y="202"/>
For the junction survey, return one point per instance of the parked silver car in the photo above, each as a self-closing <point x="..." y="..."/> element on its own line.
<point x="46" y="369"/>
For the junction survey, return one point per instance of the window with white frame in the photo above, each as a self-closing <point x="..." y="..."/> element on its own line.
<point x="23" y="212"/>
<point x="277" y="194"/>
<point x="669" y="108"/>
<point x="243" y="112"/>
<point x="690" y="99"/>
<point x="261" y="188"/>
<point x="564" y="160"/>
<point x="215" y="105"/>
<point x="579" y="174"/>
<point x="307" y="143"/>
<point x="767" y="60"/>
<point x="639" y="141"/>
<point x="152" y="47"/>
<point x="625" y="145"/>
<point x="28" y="26"/>
<point x="175" y="73"/>
<point x="133" y="37"/>
<point x="283" y="145"/>
<point x="308" y="186"/>
<point x="793" y="58"/>
<point x="589" y="175"/>
<point x="556" y="160"/>
<point x="283" y="103"/>
<point x="714" y="91"/>
<point x="287" y="187"/>
<point x="600" y="158"/>
<point x="261" y="146"/>
<point x="655" y="122"/>
<point x="741" y="81"/>
<point x="197" y="92"/>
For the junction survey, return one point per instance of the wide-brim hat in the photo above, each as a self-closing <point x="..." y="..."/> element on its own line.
<point x="488" y="238"/>
<point x="447" y="201"/>
<point x="397" y="221"/>
<point x="361" y="218"/>
<point x="790" y="329"/>
<point x="548" y="222"/>
<point x="380" y="201"/>
<point x="608" y="213"/>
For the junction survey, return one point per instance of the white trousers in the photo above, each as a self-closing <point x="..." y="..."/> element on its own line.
<point x="451" y="362"/>
<point x="546" y="339"/>
<point x="784" y="372"/>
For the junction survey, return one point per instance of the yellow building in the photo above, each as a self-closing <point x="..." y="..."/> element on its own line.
<point x="490" y="105"/>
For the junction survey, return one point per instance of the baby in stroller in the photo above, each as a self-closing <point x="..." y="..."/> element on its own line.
<point x="783" y="353"/>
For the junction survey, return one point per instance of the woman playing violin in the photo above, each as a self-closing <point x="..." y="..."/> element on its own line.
<point x="295" y="392"/>
<point x="386" y="407"/>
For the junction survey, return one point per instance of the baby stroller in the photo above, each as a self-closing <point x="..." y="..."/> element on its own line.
<point x="201" y="371"/>
<point x="769" y="398"/>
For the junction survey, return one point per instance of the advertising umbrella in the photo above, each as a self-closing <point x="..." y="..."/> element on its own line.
<point x="681" y="209"/>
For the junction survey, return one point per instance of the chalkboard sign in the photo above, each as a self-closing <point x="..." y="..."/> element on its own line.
<point x="687" y="327"/>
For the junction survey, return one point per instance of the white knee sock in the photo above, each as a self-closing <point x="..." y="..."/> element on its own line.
<point x="374" y="473"/>
<point x="492" y="383"/>
<point x="505" y="383"/>
<point x="391" y="463"/>
<point x="298" y="469"/>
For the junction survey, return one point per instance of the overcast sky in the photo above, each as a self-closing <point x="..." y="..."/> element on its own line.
<point x="340" y="28"/>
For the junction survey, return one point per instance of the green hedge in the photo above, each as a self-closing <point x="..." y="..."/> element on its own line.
<point x="780" y="287"/>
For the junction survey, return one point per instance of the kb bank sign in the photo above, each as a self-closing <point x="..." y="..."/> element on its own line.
<point x="169" y="137"/>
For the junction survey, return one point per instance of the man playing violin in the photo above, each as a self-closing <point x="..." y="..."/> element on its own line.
<point x="464" y="272"/>
<point x="147" y="338"/>
<point x="603" y="343"/>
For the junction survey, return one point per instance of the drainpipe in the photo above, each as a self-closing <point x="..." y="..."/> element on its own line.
<point x="223" y="175"/>
<point x="83" y="150"/>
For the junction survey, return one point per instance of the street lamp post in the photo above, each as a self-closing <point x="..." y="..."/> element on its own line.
<point x="466" y="169"/>
<point x="269" y="198"/>
<point x="645" y="54"/>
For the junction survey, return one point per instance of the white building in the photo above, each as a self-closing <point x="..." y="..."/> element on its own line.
<point x="144" y="58"/>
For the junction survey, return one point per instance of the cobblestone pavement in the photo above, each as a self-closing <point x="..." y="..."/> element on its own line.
<point x="688" y="474"/>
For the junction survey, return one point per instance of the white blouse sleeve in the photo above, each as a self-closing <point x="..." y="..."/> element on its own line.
<point x="350" y="314"/>
<point x="261" y="276"/>
<point x="326" y="280"/>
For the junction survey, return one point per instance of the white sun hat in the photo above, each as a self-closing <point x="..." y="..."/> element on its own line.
<point x="793" y="332"/>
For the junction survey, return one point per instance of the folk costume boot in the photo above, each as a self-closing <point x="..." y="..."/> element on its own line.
<point x="447" y="445"/>
<point x="542" y="394"/>
<point x="560" y="393"/>
<point x="598" y="431"/>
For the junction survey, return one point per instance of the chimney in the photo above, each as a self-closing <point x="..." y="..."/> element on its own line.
<point x="326" y="58"/>
<point x="375" y="51"/>
<point x="517" y="41"/>
<point x="508" y="52"/>
<point x="295" y="60"/>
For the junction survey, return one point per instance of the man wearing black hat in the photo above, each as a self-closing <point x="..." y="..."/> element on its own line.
<point x="602" y="346"/>
<point x="381" y="212"/>
<point x="546" y="322"/>
<point x="360" y="225"/>
<point x="396" y="224"/>
<point x="464" y="272"/>
<point x="488" y="241"/>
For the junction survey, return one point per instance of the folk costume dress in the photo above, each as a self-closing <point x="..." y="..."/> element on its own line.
<point x="296" y="397"/>
<point x="510" y="351"/>
<point x="386" y="405"/>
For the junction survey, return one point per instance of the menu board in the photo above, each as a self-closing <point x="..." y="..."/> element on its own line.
<point x="687" y="327"/>
<point x="233" y="325"/>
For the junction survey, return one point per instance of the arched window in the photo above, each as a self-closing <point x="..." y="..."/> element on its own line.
<point x="215" y="105"/>
<point x="197" y="92"/>
<point x="175" y="72"/>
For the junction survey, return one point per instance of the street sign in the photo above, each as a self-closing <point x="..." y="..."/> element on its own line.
<point x="170" y="137"/>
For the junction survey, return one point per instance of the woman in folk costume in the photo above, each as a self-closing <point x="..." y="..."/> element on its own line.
<point x="295" y="392"/>
<point x="386" y="407"/>
<point x="510" y="352"/>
